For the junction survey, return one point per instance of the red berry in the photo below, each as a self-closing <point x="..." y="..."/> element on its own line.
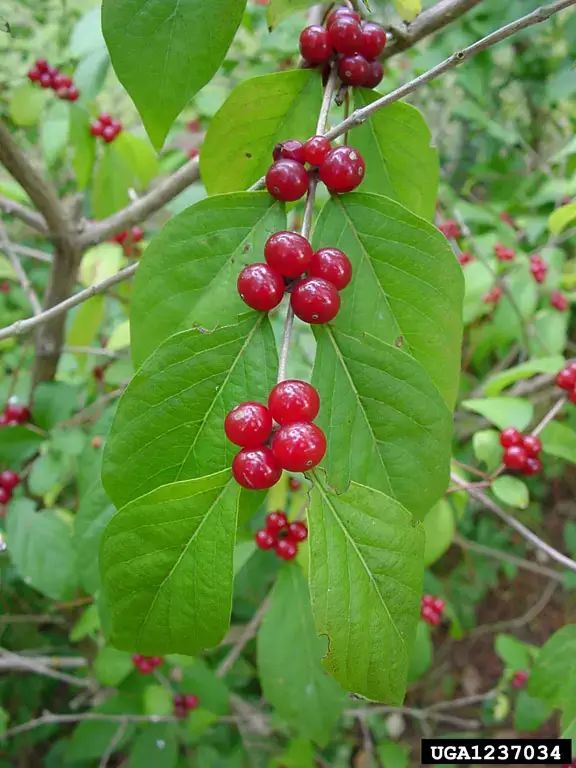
<point x="96" y="129"/>
<point x="345" y="35"/>
<point x="450" y="229"/>
<point x="315" y="300"/>
<point x="566" y="378"/>
<point x="157" y="661"/>
<point x="297" y="531"/>
<point x="42" y="65"/>
<point x="9" y="479"/>
<point x="294" y="484"/>
<point x="353" y="70"/>
<point x="315" y="45"/>
<point x="45" y="80"/>
<point x="509" y="437"/>
<point x="559" y="301"/>
<point x="17" y="413"/>
<point x="343" y="169"/>
<point x="190" y="701"/>
<point x="288" y="253"/>
<point x="430" y="616"/>
<point x="292" y="401"/>
<point x="316" y="149"/>
<point x="121" y="237"/>
<point x="34" y="74"/>
<point x="286" y="549"/>
<point x="63" y="81"/>
<point x="539" y="269"/>
<point x="276" y="522"/>
<point x="339" y="13"/>
<point x="333" y="265"/>
<point x="264" y="539"/>
<point x="256" y="468"/>
<point x="493" y="296"/>
<point x="298" y="447"/>
<point x="137" y="234"/>
<point x="533" y="466"/>
<point x="375" y="74"/>
<point x="438" y="604"/>
<point x="287" y="180"/>
<point x="105" y="118"/>
<point x="5" y="496"/>
<point x="146" y="667"/>
<point x="373" y="40"/>
<point x="109" y="133"/>
<point x="261" y="287"/>
<point x="503" y="253"/>
<point x="73" y="94"/>
<point x="290" y="150"/>
<point x="465" y="258"/>
<point x="248" y="425"/>
<point x="519" y="679"/>
<point x="515" y="457"/>
<point x="532" y="445"/>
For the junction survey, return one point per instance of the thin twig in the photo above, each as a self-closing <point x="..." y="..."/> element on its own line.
<point x="526" y="533"/>
<point x="20" y="271"/>
<point x="48" y="718"/>
<point x="21" y="327"/>
<point x="418" y="714"/>
<point x="114" y="744"/>
<point x="33" y="253"/>
<point x="32" y="665"/>
<point x="249" y="632"/>
<point x="520" y="621"/>
<point x="506" y="557"/>
<point x="29" y="217"/>
<point x="550" y="416"/>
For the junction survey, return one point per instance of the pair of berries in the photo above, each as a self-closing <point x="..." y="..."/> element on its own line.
<point x="14" y="414"/>
<point x="184" y="703"/>
<point x="51" y="77"/>
<point x="521" y="452"/>
<point x="341" y="169"/>
<point x="106" y="127"/>
<point x="519" y="679"/>
<point x="129" y="239"/>
<point x="432" y="609"/>
<point x="538" y="268"/>
<point x="566" y="380"/>
<point x="281" y="536"/>
<point x="8" y="481"/>
<point x="559" y="301"/>
<point x="146" y="664"/>
<point x="493" y="296"/>
<point x="297" y="445"/>
<point x="357" y="45"/>
<point x="465" y="258"/>
<point x="315" y="298"/>
<point x="450" y="229"/>
<point x="503" y="253"/>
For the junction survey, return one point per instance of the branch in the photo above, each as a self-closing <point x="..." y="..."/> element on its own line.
<point x="526" y="533"/>
<point x="247" y="634"/>
<point x="506" y="557"/>
<point x="429" y="21"/>
<point x="20" y="271"/>
<point x="145" y="206"/>
<point x="33" y="665"/>
<point x="23" y="213"/>
<point x="21" y="327"/>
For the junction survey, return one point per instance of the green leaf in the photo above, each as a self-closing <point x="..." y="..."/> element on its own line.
<point x="120" y="337"/>
<point x="279" y="9"/>
<point x="487" y="448"/>
<point x="439" y="529"/>
<point x="530" y="713"/>
<point x="512" y="491"/>
<point x="166" y="561"/>
<point x="83" y="145"/>
<point x="4" y="720"/>
<point x="138" y="155"/>
<point x="366" y="560"/>
<point x="86" y="324"/>
<point x="386" y="424"/>
<point x="18" y="444"/>
<point x="158" y="700"/>
<point x="289" y="654"/>
<point x="155" y="747"/>
<point x="553" y="677"/>
<point x="164" y="51"/>
<point x="26" y="104"/>
<point x="188" y="273"/>
<point x="112" y="666"/>
<point x="407" y="287"/>
<point x="40" y="546"/>
<point x="526" y="370"/>
<point x="503" y="411"/>
<point x="408" y="9"/>
<point x="400" y="162"/>
<point x="559" y="440"/>
<point x="87" y="625"/>
<point x="210" y="689"/>
<point x="169" y="422"/>
<point x="54" y="401"/>
<point x="111" y="183"/>
<point x="94" y="514"/>
<point x="54" y="131"/>
<point x="514" y="653"/>
<point x="99" y="263"/>
<point x="561" y="218"/>
<point x="258" y="114"/>
<point x="422" y="653"/>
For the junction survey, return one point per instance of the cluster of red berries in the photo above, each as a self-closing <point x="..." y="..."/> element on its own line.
<point x="559" y="301"/>
<point x="146" y="664"/>
<point x="296" y="445"/>
<point x="519" y="679"/>
<point x="521" y="452"/>
<point x="450" y="229"/>
<point x="8" y="481"/>
<point x="355" y="44"/>
<point x="432" y="609"/>
<point x="566" y="380"/>
<point x="503" y="253"/>
<point x="14" y="414"/>
<point x="129" y="239"/>
<point x="340" y="168"/>
<point x="106" y="127"/>
<point x="538" y="268"/>
<point x="314" y="298"/>
<point x="281" y="536"/>
<point x="184" y="703"/>
<point x="51" y="77"/>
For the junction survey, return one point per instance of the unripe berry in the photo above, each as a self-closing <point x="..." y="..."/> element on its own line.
<point x="343" y="169"/>
<point x="286" y="549"/>
<point x="315" y="45"/>
<point x="509" y="437"/>
<point x="249" y="425"/>
<point x="287" y="180"/>
<point x="332" y="265"/>
<point x="316" y="149"/>
<point x="256" y="468"/>
<point x="515" y="457"/>
<point x="264" y="539"/>
<point x="288" y="253"/>
<point x="375" y="74"/>
<point x="292" y="400"/>
<point x="299" y="447"/>
<point x="297" y="531"/>
<point x="353" y="70"/>
<point x="373" y="40"/>
<point x="315" y="300"/>
<point x="345" y="35"/>
<point x="261" y="287"/>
